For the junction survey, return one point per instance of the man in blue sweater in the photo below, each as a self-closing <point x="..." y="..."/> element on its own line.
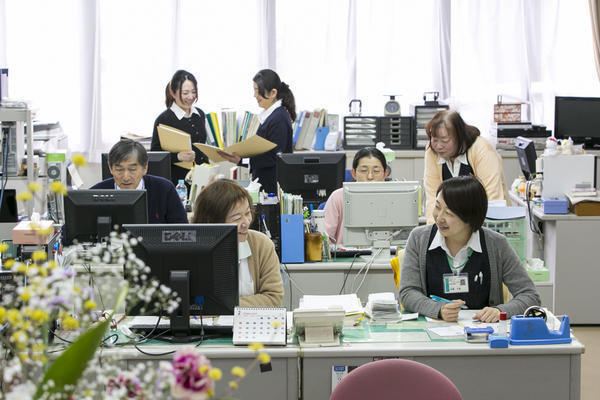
<point x="128" y="164"/>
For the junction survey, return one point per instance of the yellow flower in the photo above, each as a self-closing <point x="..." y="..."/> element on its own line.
<point x="12" y="316"/>
<point x="45" y="232"/>
<point x="233" y="385"/>
<point x="58" y="187"/>
<point x="203" y="369"/>
<point x="238" y="371"/>
<point x="79" y="160"/>
<point x="21" y="267"/>
<point x="255" y="346"/>
<point x="3" y="247"/>
<point x="40" y="316"/>
<point x="210" y="392"/>
<point x="24" y="196"/>
<point x="264" y="358"/>
<point x="275" y="324"/>
<point x="2" y="314"/>
<point x="89" y="305"/>
<point x="34" y="187"/>
<point x="25" y="296"/>
<point x="39" y="255"/>
<point x="52" y="264"/>
<point x="215" y="374"/>
<point x="23" y="356"/>
<point x="69" y="323"/>
<point x="8" y="264"/>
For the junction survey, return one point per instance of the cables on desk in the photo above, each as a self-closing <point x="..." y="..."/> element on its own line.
<point x="347" y="274"/>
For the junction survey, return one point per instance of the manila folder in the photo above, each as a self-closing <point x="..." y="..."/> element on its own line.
<point x="250" y="147"/>
<point x="173" y="140"/>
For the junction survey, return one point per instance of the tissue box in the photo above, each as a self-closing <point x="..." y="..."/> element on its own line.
<point x="555" y="205"/>
<point x="540" y="273"/>
<point x="23" y="233"/>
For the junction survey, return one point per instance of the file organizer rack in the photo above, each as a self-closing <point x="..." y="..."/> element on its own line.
<point x="361" y="132"/>
<point x="271" y="213"/>
<point x="397" y="132"/>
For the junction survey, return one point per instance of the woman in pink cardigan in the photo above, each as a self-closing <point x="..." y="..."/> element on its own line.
<point x="369" y="165"/>
<point x="456" y="149"/>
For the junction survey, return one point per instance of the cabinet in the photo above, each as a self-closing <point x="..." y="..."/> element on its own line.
<point x="22" y="115"/>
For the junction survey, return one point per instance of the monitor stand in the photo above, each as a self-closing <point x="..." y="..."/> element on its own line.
<point x="380" y="253"/>
<point x="180" y="319"/>
<point x="103" y="228"/>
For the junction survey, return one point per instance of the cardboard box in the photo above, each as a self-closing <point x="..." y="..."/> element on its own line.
<point x="24" y="232"/>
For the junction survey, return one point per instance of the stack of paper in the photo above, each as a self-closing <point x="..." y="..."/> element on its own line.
<point x="349" y="302"/>
<point x="383" y="307"/>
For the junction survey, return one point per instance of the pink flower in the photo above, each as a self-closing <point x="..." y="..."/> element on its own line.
<point x="126" y="385"/>
<point x="188" y="382"/>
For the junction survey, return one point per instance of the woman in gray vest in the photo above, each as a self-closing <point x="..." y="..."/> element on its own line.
<point x="456" y="259"/>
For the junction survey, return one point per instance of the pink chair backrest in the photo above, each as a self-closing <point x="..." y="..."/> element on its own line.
<point x="395" y="379"/>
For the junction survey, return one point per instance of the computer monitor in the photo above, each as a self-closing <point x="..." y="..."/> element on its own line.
<point x="578" y="118"/>
<point x="90" y="215"/>
<point x="314" y="175"/>
<point x="159" y="164"/>
<point x="8" y="207"/>
<point x="198" y="261"/>
<point x="380" y="214"/>
<point x="526" y="153"/>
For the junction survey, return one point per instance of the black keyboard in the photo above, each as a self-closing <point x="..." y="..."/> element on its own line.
<point x="350" y="253"/>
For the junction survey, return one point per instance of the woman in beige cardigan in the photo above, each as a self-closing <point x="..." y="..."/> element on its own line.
<point x="260" y="283"/>
<point x="456" y="149"/>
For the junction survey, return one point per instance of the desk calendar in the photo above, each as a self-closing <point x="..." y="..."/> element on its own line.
<point x="257" y="324"/>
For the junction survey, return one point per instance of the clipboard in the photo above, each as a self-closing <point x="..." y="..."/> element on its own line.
<point x="250" y="147"/>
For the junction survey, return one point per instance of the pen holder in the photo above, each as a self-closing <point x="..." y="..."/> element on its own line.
<point x="313" y="250"/>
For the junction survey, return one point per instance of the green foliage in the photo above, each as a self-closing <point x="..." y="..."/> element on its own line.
<point x="66" y="370"/>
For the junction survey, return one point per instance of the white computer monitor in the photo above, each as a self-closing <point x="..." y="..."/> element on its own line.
<point x="380" y="214"/>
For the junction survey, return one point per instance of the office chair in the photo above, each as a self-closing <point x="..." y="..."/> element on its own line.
<point x="395" y="379"/>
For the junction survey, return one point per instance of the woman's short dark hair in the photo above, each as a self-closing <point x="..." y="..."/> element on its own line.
<point x="267" y="80"/>
<point x="369" y="152"/>
<point x="451" y="120"/>
<point x="216" y="200"/>
<point x="465" y="196"/>
<point x="124" y="149"/>
<point x="175" y="84"/>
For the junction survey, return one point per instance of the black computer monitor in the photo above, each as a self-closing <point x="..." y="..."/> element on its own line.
<point x="198" y="261"/>
<point x="8" y="207"/>
<point x="90" y="215"/>
<point x="526" y="153"/>
<point x="159" y="164"/>
<point x="578" y="118"/>
<point x="314" y="175"/>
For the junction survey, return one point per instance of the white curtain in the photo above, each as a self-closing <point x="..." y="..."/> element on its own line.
<point x="100" y="67"/>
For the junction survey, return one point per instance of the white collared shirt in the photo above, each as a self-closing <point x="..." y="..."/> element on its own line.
<point x="140" y="185"/>
<point x="454" y="167"/>
<point x="245" y="281"/>
<point x="461" y="257"/>
<point x="262" y="117"/>
<point x="180" y="112"/>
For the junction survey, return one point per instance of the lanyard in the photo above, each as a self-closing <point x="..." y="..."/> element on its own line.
<point x="457" y="268"/>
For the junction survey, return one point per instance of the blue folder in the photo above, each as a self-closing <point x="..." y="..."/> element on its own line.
<point x="322" y="133"/>
<point x="292" y="238"/>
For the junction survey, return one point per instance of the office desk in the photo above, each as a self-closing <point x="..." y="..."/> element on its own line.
<point x="536" y="372"/>
<point x="279" y="384"/>
<point x="322" y="278"/>
<point x="520" y="372"/>
<point x="570" y="250"/>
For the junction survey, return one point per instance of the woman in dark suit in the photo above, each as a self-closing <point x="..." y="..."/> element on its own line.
<point x="277" y="100"/>
<point x="181" y="93"/>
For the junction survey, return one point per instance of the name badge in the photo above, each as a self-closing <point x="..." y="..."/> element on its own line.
<point x="456" y="283"/>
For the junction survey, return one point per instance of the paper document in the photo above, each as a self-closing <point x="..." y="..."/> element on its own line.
<point x="250" y="147"/>
<point x="173" y="140"/>
<point x="349" y="302"/>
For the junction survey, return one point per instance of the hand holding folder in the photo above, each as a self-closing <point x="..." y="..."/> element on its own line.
<point x="175" y="141"/>
<point x="250" y="147"/>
